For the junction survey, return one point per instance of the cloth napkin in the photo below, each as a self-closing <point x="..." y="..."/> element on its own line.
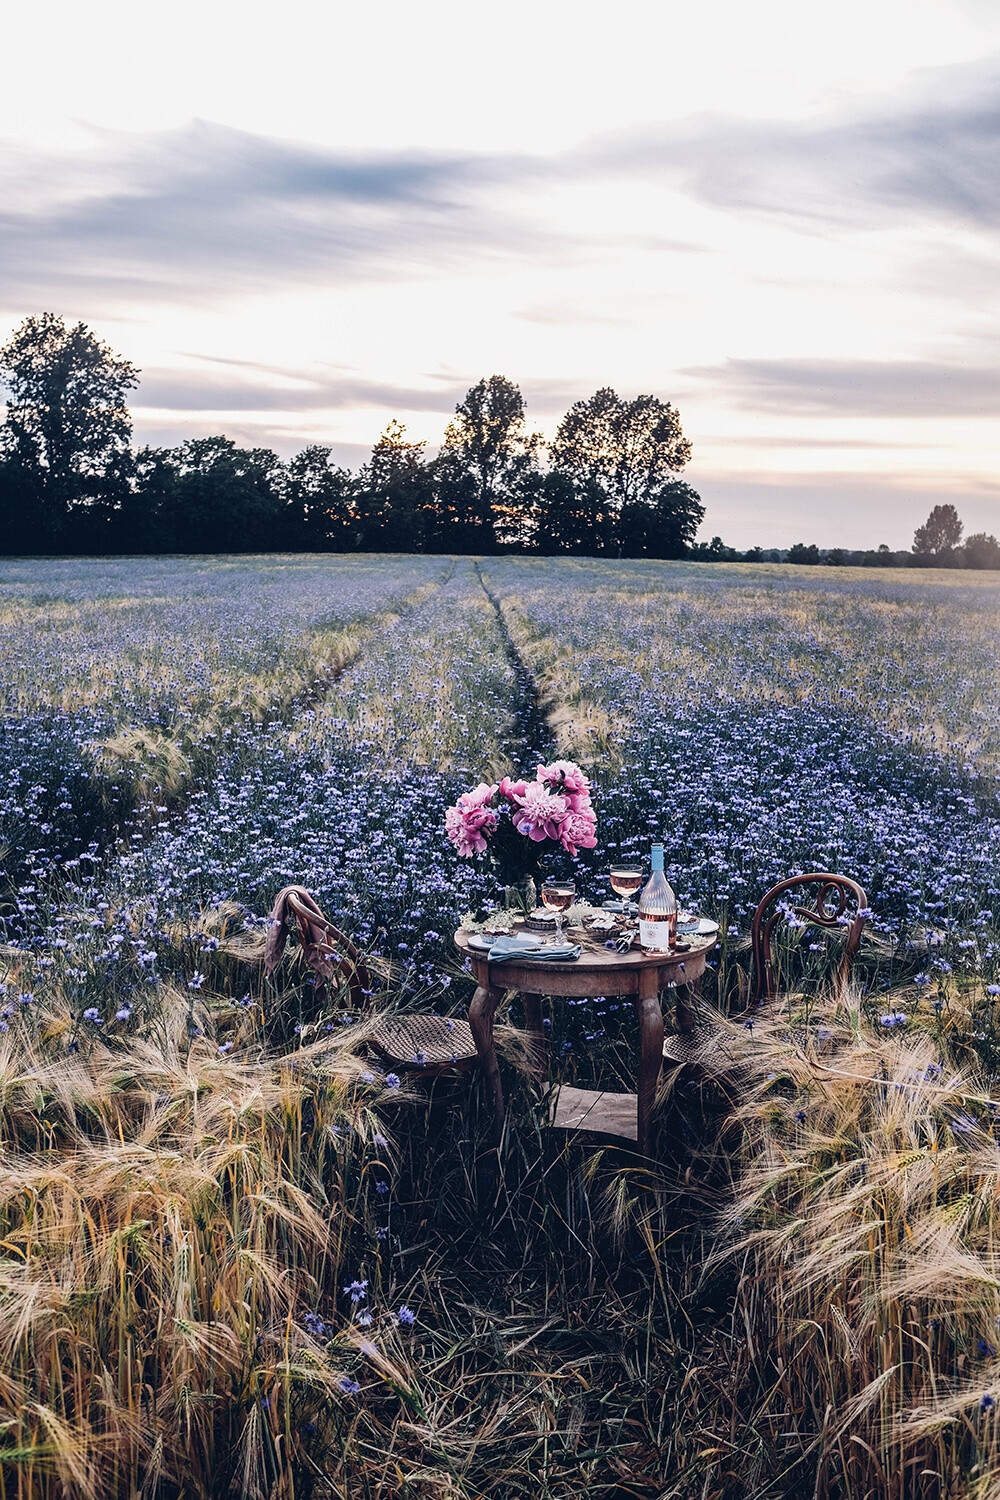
<point x="525" y="947"/>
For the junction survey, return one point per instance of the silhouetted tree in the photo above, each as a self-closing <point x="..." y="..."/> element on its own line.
<point x="628" y="453"/>
<point x="319" y="509"/>
<point x="981" y="551"/>
<point x="208" y="495"/>
<point x="663" y="526"/>
<point x="714" y="551"/>
<point x="485" y="470"/>
<point x="393" y="494"/>
<point x="940" y="534"/>
<point x="571" y="517"/>
<point x="68" y="427"/>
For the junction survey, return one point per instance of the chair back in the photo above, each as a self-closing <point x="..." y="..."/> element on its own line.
<point x="327" y="949"/>
<point x="839" y="902"/>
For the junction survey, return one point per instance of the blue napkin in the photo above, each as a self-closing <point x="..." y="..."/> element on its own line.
<point x="525" y="947"/>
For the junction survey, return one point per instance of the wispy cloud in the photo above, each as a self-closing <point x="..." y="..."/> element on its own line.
<point x="857" y="388"/>
<point x="278" y="389"/>
<point x="193" y="214"/>
<point x="934" y="153"/>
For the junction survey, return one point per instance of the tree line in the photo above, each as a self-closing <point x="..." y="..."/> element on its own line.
<point x="936" y="544"/>
<point x="72" y="481"/>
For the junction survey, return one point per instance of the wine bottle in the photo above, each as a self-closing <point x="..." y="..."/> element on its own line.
<point x="657" y="909"/>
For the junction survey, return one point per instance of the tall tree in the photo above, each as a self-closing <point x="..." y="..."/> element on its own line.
<point x="487" y="464"/>
<point x="940" y="534"/>
<point x="211" y="496"/>
<point x="393" y="493"/>
<point x="665" y="525"/>
<point x="67" y="422"/>
<point x="319" y="509"/>
<point x="627" y="448"/>
<point x="626" y="454"/>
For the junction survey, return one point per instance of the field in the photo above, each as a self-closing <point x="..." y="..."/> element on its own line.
<point x="233" y="1259"/>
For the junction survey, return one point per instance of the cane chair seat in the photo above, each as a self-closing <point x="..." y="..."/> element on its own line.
<point x="429" y="1045"/>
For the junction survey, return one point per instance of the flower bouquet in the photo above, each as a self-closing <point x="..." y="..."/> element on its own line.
<point x="515" y="821"/>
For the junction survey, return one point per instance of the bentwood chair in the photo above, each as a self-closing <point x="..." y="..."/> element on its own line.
<point x="427" y="1045"/>
<point x="329" y="952"/>
<point x="839" y="903"/>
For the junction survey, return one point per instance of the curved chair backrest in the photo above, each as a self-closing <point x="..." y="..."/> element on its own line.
<point x="328" y="949"/>
<point x="835" y="896"/>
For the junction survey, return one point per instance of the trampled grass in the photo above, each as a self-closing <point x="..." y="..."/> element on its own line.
<point x="234" y="1259"/>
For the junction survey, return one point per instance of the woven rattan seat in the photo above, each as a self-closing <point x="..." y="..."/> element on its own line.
<point x="424" y="1044"/>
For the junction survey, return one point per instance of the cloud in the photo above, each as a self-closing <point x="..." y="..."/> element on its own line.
<point x="197" y="212"/>
<point x="934" y="152"/>
<point x="283" y="390"/>
<point x="857" y="388"/>
<point x="193" y="214"/>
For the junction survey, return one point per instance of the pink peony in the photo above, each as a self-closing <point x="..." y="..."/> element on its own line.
<point x="540" y="813"/>
<point x="577" y="831"/>
<point x="512" y="791"/>
<point x="471" y="821"/>
<point x="567" y="773"/>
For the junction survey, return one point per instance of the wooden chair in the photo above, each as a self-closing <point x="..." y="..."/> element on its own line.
<point x="431" y="1046"/>
<point x="835" y="896"/>
<point x="328" y="951"/>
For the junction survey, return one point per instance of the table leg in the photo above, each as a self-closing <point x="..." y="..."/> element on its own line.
<point x="685" y="997"/>
<point x="650" y="1015"/>
<point x="482" y="1010"/>
<point x="533" y="1016"/>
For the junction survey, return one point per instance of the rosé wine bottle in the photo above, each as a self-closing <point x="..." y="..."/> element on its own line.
<point x="657" y="909"/>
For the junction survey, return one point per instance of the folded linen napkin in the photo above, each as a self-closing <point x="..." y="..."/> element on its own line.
<point x="522" y="946"/>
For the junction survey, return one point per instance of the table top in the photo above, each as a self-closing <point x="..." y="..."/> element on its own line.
<point x="605" y="969"/>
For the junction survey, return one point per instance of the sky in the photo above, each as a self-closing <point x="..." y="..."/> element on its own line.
<point x="304" y="221"/>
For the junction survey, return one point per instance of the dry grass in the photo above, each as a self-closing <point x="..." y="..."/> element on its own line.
<point x="166" y="1218"/>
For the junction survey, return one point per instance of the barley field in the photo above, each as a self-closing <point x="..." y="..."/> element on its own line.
<point x="237" y="1259"/>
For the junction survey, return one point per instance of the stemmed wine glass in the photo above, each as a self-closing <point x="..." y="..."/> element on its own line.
<point x="558" y="895"/>
<point x="625" y="881"/>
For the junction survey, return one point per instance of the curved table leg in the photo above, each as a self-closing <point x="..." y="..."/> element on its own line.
<point x="650" y="1015"/>
<point x="482" y="1010"/>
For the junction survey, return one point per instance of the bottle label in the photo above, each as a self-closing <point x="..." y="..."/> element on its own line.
<point x="656" y="931"/>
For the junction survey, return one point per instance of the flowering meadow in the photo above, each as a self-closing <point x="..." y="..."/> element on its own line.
<point x="239" y="1258"/>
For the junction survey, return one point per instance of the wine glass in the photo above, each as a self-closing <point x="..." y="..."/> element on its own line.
<point x="557" y="895"/>
<point x="625" y="881"/>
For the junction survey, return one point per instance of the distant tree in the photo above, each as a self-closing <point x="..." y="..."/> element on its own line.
<point x="714" y="551"/>
<point x="837" y="557"/>
<point x="319" y="511"/>
<point x="981" y="551"/>
<point x="68" y="427"/>
<point x="393" y="494"/>
<point x="487" y="466"/>
<point x="940" y="534"/>
<point x="754" y="554"/>
<point x="571" y="518"/>
<point x="800" y="553"/>
<point x="662" y="526"/>
<point x="208" y="495"/>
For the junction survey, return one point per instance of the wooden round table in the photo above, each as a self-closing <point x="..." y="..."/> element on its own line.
<point x="598" y="971"/>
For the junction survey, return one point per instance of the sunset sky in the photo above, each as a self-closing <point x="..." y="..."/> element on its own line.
<point x="304" y="220"/>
